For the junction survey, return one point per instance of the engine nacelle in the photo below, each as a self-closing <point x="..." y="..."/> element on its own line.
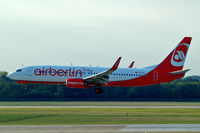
<point x="75" y="83"/>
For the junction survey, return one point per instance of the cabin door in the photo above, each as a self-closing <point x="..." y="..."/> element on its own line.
<point x="155" y="75"/>
<point x="29" y="72"/>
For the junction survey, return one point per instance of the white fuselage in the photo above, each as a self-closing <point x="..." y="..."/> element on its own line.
<point x="49" y="73"/>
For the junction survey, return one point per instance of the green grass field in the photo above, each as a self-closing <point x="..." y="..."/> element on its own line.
<point x="99" y="103"/>
<point x="71" y="116"/>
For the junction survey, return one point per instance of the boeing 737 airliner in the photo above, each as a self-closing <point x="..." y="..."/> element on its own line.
<point x="169" y="69"/>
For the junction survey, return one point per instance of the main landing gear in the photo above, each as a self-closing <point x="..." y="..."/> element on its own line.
<point x="98" y="90"/>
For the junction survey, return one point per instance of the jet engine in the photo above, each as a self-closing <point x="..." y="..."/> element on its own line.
<point x="75" y="83"/>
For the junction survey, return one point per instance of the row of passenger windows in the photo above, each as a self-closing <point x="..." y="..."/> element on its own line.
<point x="122" y="74"/>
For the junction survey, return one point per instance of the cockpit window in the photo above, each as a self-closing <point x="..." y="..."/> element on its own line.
<point x="18" y="70"/>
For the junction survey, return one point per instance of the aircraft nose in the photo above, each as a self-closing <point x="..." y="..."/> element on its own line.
<point x="11" y="75"/>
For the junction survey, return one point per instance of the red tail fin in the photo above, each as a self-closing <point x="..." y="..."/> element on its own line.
<point x="176" y="59"/>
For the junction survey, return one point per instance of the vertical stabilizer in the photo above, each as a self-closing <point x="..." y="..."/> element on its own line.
<point x="176" y="59"/>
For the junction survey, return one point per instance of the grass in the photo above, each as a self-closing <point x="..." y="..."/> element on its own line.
<point x="99" y="103"/>
<point x="71" y="116"/>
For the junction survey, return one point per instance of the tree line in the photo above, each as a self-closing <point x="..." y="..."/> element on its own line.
<point x="187" y="89"/>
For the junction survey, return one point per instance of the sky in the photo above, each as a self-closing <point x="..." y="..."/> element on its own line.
<point x="96" y="32"/>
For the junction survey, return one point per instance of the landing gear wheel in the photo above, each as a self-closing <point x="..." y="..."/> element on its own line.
<point x="98" y="90"/>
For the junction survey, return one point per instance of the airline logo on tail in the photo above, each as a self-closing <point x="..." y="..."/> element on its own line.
<point x="179" y="54"/>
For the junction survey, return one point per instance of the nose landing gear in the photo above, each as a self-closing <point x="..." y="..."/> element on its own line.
<point x="23" y="83"/>
<point x="25" y="86"/>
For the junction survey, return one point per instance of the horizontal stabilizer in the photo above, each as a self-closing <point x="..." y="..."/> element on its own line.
<point x="179" y="72"/>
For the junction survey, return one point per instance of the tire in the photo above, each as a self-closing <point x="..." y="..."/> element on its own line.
<point x="98" y="90"/>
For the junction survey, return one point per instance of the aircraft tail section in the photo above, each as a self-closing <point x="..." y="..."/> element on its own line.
<point x="176" y="59"/>
<point x="171" y="68"/>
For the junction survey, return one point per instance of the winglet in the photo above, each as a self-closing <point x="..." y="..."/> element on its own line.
<point x="131" y="65"/>
<point x="115" y="66"/>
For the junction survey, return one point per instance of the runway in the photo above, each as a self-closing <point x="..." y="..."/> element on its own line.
<point x="101" y="128"/>
<point x="100" y="106"/>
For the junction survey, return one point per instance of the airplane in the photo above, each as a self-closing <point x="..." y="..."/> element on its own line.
<point x="169" y="69"/>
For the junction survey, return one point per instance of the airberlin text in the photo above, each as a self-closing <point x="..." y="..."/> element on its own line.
<point x="72" y="72"/>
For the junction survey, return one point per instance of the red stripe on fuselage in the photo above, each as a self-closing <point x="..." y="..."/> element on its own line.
<point x="38" y="82"/>
<point x="140" y="81"/>
<point x="146" y="80"/>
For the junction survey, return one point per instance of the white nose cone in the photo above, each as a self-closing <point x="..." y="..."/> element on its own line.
<point x="11" y="75"/>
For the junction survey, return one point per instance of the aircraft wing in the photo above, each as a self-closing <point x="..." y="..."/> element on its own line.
<point x="102" y="77"/>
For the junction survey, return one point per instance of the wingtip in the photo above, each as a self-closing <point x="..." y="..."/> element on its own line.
<point x="131" y="65"/>
<point x="115" y="66"/>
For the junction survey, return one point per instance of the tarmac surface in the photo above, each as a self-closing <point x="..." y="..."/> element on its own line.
<point x="99" y="106"/>
<point x="100" y="128"/>
<point x="110" y="128"/>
